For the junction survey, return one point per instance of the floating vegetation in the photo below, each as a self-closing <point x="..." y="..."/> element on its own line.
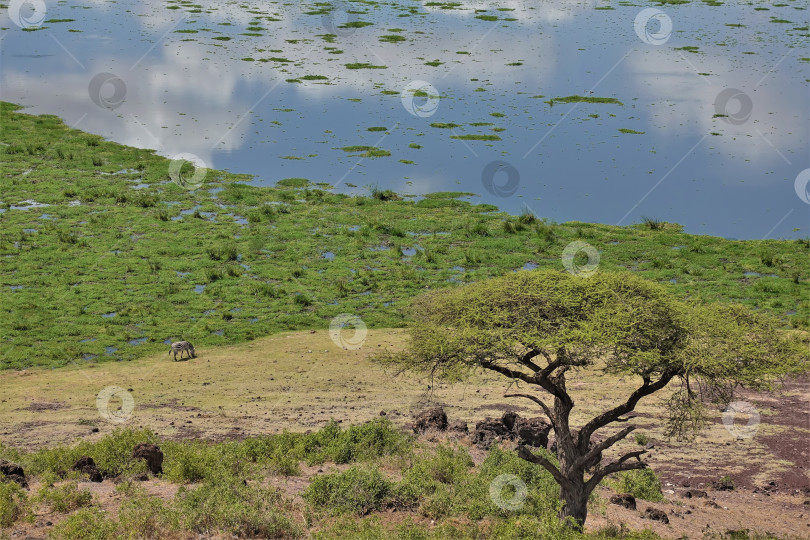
<point x="584" y="99"/>
<point x="364" y="65"/>
<point x="631" y="131"/>
<point x="476" y="137"/>
<point x="392" y="38"/>
<point x="688" y="48"/>
<point x="444" y="125"/>
<point x="367" y="151"/>
<point x="377" y="128"/>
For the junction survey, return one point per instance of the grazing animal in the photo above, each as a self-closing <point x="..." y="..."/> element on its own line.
<point x="181" y="347"/>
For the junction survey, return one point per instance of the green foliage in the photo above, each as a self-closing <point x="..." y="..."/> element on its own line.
<point x="64" y="498"/>
<point x="642" y="484"/>
<point x="86" y="524"/>
<point x="13" y="504"/>
<point x="358" y="490"/>
<point x="631" y="325"/>
<point x="232" y="506"/>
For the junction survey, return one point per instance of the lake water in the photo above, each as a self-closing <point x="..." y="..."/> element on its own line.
<point x="714" y="137"/>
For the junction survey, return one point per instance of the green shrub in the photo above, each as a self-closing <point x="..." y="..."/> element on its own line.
<point x="142" y="516"/>
<point x="64" y="498"/>
<point x="358" y="490"/>
<point x="642" y="484"/>
<point x="236" y="508"/>
<point x="86" y="524"/>
<point x="13" y="503"/>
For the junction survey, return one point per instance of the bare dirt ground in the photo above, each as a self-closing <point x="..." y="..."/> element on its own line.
<point x="298" y="381"/>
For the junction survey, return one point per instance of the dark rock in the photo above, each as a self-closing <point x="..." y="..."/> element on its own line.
<point x="87" y="466"/>
<point x="94" y="430"/>
<point x="656" y="515"/>
<point x="624" y="499"/>
<point x="141" y="477"/>
<point x="509" y="419"/>
<point x="382" y="413"/>
<point x="695" y="493"/>
<point x="723" y="485"/>
<point x="532" y="431"/>
<point x="11" y="472"/>
<point x="459" y="426"/>
<point x="152" y="454"/>
<point x="489" y="431"/>
<point x="434" y="418"/>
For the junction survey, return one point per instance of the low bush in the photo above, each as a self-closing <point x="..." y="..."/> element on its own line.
<point x="13" y="504"/>
<point x="642" y="484"/>
<point x="358" y="490"/>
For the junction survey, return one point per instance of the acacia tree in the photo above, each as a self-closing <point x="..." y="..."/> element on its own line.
<point x="539" y="327"/>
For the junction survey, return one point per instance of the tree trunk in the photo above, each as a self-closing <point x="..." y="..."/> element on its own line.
<point x="575" y="500"/>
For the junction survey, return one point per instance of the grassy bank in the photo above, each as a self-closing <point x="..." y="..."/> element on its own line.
<point x="122" y="259"/>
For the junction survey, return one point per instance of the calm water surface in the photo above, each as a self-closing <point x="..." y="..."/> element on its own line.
<point x="714" y="134"/>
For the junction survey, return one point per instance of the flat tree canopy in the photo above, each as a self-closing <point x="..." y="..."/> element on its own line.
<point x="535" y="326"/>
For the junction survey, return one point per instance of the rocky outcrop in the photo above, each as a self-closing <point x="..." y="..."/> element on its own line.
<point x="86" y="465"/>
<point x="11" y="472"/>
<point x="625" y="500"/>
<point x="512" y="427"/>
<point x="430" y="419"/>
<point x="152" y="454"/>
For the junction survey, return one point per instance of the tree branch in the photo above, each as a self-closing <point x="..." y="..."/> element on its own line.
<point x="604" y="445"/>
<point x="613" y="414"/>
<point x="616" y="466"/>
<point x="511" y="373"/>
<point x="537" y="400"/>
<point x="526" y="360"/>
<point x="524" y="453"/>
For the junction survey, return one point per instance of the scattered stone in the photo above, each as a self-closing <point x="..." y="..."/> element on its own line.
<point x="489" y="431"/>
<point x="87" y="466"/>
<point x="695" y="493"/>
<point x="434" y="418"/>
<point x="152" y="454"/>
<point x="624" y="499"/>
<point x="511" y="426"/>
<point x="712" y="504"/>
<point x="532" y="431"/>
<point x="94" y="430"/>
<point x="459" y="426"/>
<point x="724" y="484"/>
<point x="11" y="472"/>
<point x="656" y="515"/>
<point x="382" y="413"/>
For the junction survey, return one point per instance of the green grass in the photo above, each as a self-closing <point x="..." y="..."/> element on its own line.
<point x="129" y="252"/>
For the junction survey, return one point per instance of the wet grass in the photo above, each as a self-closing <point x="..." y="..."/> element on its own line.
<point x="143" y="253"/>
